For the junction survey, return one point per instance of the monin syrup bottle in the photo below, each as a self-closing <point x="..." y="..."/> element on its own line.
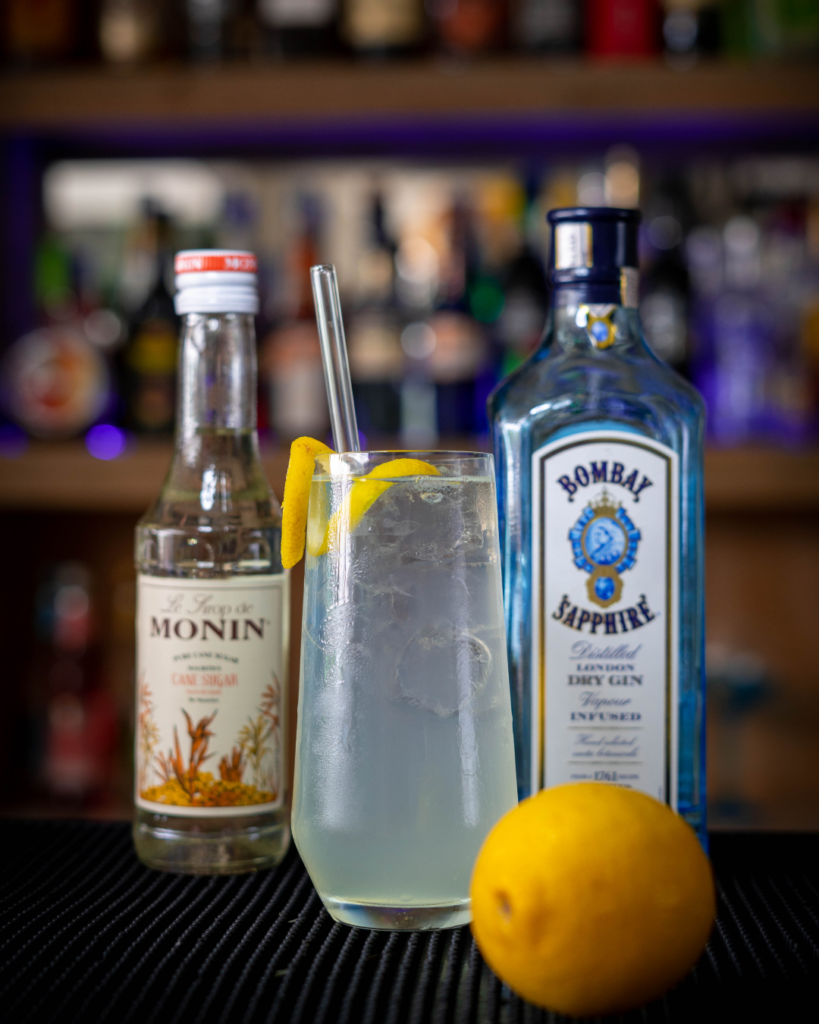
<point x="212" y="604"/>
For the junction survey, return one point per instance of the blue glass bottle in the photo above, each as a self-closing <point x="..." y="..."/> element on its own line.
<point x="599" y="448"/>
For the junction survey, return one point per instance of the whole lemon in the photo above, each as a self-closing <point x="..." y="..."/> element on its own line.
<point x="591" y="899"/>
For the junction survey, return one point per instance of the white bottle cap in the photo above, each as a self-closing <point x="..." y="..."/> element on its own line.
<point x="216" y="281"/>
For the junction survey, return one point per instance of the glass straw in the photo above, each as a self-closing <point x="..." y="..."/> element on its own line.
<point x="334" y="357"/>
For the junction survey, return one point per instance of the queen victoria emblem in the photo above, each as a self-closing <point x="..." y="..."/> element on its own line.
<point x="599" y="321"/>
<point x="604" y="544"/>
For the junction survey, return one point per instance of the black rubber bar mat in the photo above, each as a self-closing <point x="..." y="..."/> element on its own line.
<point x="89" y="935"/>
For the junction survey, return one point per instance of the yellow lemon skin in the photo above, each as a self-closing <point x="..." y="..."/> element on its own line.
<point x="303" y="452"/>
<point x="363" y="493"/>
<point x="589" y="899"/>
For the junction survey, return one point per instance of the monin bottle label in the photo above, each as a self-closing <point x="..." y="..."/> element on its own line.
<point x="605" y="561"/>
<point x="210" y="713"/>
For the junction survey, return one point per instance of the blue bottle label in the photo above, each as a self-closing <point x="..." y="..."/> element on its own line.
<point x="605" y="561"/>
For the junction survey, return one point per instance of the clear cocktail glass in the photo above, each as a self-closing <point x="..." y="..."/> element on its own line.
<point x="404" y="750"/>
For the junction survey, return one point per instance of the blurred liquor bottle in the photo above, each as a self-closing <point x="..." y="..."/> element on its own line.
<point x="548" y="26"/>
<point x="735" y="351"/>
<point x="756" y="287"/>
<point x="622" y="28"/>
<point x="40" y="31"/>
<point x="691" y="29"/>
<point x="738" y="683"/>
<point x="771" y="27"/>
<point x="75" y="722"/>
<point x="809" y="324"/>
<point x="237" y="226"/>
<point x="519" y="326"/>
<point x="504" y="282"/>
<point x="459" y="351"/>
<point x="791" y="290"/>
<point x="219" y="29"/>
<point x="290" y="360"/>
<point x="74" y="283"/>
<point x="467" y="27"/>
<point x="299" y="28"/>
<point x="149" y="357"/>
<point x="55" y="381"/>
<point x="383" y="28"/>
<point x="376" y="360"/>
<point x="739" y="29"/>
<point x="666" y="300"/>
<point x="665" y="284"/>
<point x="796" y="25"/>
<point x="423" y="279"/>
<point x="134" y="31"/>
<point x="809" y="344"/>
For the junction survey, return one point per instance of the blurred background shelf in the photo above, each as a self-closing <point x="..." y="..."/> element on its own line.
<point x="761" y="479"/>
<point x="63" y="477"/>
<point x="325" y="89"/>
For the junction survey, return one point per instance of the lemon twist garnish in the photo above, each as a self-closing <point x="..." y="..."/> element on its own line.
<point x="363" y="493"/>
<point x="303" y="452"/>
<point x="320" y="532"/>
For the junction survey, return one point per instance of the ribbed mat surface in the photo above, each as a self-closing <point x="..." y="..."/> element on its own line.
<point x="89" y="935"/>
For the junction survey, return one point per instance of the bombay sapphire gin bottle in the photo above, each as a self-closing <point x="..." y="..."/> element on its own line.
<point x="598" y="446"/>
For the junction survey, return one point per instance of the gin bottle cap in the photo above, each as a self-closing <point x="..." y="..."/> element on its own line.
<point x="216" y="281"/>
<point x="592" y="245"/>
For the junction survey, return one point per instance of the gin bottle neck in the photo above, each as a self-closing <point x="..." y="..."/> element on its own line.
<point x="570" y="289"/>
<point x="599" y="317"/>
<point x="217" y="387"/>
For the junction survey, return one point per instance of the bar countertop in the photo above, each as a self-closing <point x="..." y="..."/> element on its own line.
<point x="88" y="935"/>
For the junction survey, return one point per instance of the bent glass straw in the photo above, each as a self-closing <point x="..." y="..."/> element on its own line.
<point x="334" y="356"/>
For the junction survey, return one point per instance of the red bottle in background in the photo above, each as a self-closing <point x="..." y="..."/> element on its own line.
<point x="469" y="26"/>
<point x="622" y="28"/>
<point x="39" y="31"/>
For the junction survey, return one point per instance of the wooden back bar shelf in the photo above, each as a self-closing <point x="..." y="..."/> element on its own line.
<point x="178" y="95"/>
<point x="63" y="477"/>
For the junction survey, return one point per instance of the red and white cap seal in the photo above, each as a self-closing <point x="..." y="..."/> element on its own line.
<point x="216" y="281"/>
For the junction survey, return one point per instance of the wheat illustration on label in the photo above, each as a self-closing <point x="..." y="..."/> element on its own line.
<point x="184" y="782"/>
<point x="147" y="730"/>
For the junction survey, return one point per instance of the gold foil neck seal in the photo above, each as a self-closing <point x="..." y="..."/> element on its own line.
<point x="599" y="323"/>
<point x="573" y="245"/>
<point x="630" y="287"/>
